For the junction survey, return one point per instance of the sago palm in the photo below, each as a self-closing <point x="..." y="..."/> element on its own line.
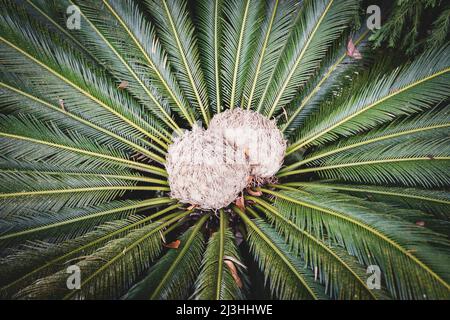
<point x="90" y="108"/>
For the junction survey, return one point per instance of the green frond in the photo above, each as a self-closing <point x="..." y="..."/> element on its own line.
<point x="286" y="274"/>
<point x="17" y="99"/>
<point x="87" y="116"/>
<point x="28" y="53"/>
<point x="435" y="202"/>
<point x="38" y="259"/>
<point x="35" y="192"/>
<point x="342" y="277"/>
<point x="441" y="29"/>
<point x="133" y="252"/>
<point x="412" y="88"/>
<point x="106" y="41"/>
<point x="54" y="12"/>
<point x="119" y="262"/>
<point x="275" y="28"/>
<point x="177" y="33"/>
<point x="318" y="24"/>
<point x="215" y="281"/>
<point x="16" y="133"/>
<point x="209" y="32"/>
<point x="35" y="170"/>
<point x="413" y="259"/>
<point x="424" y="124"/>
<point x="405" y="21"/>
<point x="60" y="226"/>
<point x="173" y="275"/>
<point x="334" y="73"/>
<point x="130" y="22"/>
<point x="240" y="31"/>
<point x="418" y="160"/>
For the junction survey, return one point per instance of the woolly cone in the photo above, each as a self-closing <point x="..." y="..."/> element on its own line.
<point x="205" y="171"/>
<point x="258" y="136"/>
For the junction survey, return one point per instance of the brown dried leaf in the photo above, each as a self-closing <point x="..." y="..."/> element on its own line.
<point x="192" y="207"/>
<point x="240" y="203"/>
<point x="234" y="273"/>
<point x="173" y="245"/>
<point x="122" y="85"/>
<point x="254" y="193"/>
<point x="236" y="261"/>
<point x="61" y="104"/>
<point x="420" y="223"/>
<point x="285" y="113"/>
<point x="246" y="153"/>
<point x="352" y="51"/>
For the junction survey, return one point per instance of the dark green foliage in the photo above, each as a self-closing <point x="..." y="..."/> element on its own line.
<point x="86" y="118"/>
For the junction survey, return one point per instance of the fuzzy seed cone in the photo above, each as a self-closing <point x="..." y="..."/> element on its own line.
<point x="205" y="171"/>
<point x="257" y="136"/>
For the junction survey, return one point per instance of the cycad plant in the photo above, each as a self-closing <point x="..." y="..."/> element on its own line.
<point x="94" y="96"/>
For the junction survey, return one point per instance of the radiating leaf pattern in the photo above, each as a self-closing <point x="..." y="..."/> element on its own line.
<point x="87" y="116"/>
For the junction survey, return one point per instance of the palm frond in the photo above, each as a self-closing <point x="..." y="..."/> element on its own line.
<point x="401" y="249"/>
<point x="177" y="33"/>
<point x="319" y="23"/>
<point x="60" y="226"/>
<point x="418" y="160"/>
<point x="120" y="261"/>
<point x="87" y="116"/>
<point x="396" y="131"/>
<point x="16" y="133"/>
<point x="54" y="12"/>
<point x="42" y="259"/>
<point x="109" y="41"/>
<point x="441" y="28"/>
<point x="342" y="277"/>
<point x="151" y="59"/>
<point x="407" y="90"/>
<point x="209" y="31"/>
<point x="435" y="202"/>
<point x="275" y="31"/>
<point x="215" y="281"/>
<point x="334" y="73"/>
<point x="28" y="53"/>
<point x="173" y="275"/>
<point x="18" y="98"/>
<point x="35" y="192"/>
<point x="240" y="32"/>
<point x="289" y="279"/>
